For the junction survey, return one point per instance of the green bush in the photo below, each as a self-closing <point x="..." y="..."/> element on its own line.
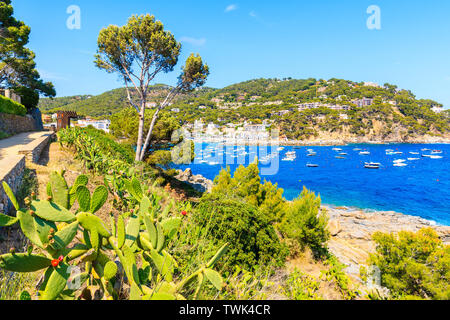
<point x="306" y="223"/>
<point x="3" y="135"/>
<point x="253" y="240"/>
<point x="413" y="265"/>
<point x="300" y="286"/>
<point x="246" y="185"/>
<point x="9" y="106"/>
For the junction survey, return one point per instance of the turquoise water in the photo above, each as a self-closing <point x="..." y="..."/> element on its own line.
<point x="422" y="188"/>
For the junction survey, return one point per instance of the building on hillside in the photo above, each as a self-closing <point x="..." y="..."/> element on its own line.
<point x="372" y="84"/>
<point x="8" y="93"/>
<point x="338" y="107"/>
<point x="47" y="118"/>
<point x="97" y="124"/>
<point x="273" y="103"/>
<point x="280" y="113"/>
<point x="437" y="109"/>
<point x="343" y="116"/>
<point x="364" y="102"/>
<point x="217" y="100"/>
<point x="150" y="105"/>
<point x="176" y="110"/>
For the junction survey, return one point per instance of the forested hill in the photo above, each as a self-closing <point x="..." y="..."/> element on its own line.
<point x="105" y="104"/>
<point x="300" y="108"/>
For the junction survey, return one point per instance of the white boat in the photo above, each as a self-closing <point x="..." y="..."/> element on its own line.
<point x="389" y="150"/>
<point x="312" y="154"/>
<point x="343" y="154"/>
<point x="310" y="165"/>
<point x="400" y="164"/>
<point x="288" y="159"/>
<point x="413" y="159"/>
<point x="291" y="153"/>
<point x="337" y="149"/>
<point x="357" y="149"/>
<point x="364" y="153"/>
<point x="415" y="153"/>
<point x="213" y="163"/>
<point x="436" y="157"/>
<point x="436" y="152"/>
<point x="280" y="149"/>
<point x="372" y="165"/>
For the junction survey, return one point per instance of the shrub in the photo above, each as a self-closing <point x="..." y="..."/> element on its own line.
<point x="413" y="265"/>
<point x="9" y="106"/>
<point x="3" y="135"/>
<point x="253" y="240"/>
<point x="300" y="286"/>
<point x="246" y="184"/>
<point x="306" y="223"/>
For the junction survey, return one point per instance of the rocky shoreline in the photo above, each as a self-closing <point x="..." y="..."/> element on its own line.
<point x="352" y="229"/>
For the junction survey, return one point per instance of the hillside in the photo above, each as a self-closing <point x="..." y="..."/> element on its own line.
<point x="102" y="105"/>
<point x="302" y="109"/>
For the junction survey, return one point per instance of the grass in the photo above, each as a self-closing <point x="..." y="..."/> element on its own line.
<point x="13" y="284"/>
<point x="4" y="135"/>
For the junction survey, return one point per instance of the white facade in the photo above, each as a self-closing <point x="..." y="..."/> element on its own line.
<point x="97" y="124"/>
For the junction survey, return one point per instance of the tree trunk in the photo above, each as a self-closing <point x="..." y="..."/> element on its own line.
<point x="149" y="135"/>
<point x="140" y="132"/>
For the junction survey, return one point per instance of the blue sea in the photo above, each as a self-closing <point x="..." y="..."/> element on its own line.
<point x="422" y="188"/>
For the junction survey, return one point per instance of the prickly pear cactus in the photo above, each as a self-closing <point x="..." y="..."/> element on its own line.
<point x="132" y="248"/>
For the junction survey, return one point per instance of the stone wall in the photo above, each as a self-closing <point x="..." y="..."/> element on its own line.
<point x="13" y="124"/>
<point x="33" y="150"/>
<point x="11" y="172"/>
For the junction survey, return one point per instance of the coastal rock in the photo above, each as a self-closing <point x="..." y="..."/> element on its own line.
<point x="334" y="227"/>
<point x="198" y="182"/>
<point x="352" y="231"/>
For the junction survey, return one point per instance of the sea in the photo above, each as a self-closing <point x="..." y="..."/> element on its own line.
<point x="408" y="180"/>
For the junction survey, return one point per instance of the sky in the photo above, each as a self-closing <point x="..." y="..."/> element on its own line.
<point x="247" y="39"/>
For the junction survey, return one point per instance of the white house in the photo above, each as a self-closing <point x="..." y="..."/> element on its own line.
<point x="437" y="109"/>
<point x="98" y="124"/>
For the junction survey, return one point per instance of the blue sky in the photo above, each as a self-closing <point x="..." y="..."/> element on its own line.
<point x="246" y="39"/>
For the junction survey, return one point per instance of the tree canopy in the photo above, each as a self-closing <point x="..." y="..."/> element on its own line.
<point x="17" y="65"/>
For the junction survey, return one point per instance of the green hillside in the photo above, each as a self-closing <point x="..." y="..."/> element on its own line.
<point x="393" y="113"/>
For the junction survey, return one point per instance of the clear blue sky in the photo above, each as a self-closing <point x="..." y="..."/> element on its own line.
<point x="246" y="39"/>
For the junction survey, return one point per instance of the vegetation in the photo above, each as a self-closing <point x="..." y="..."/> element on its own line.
<point x="306" y="223"/>
<point x="51" y="227"/>
<point x="253" y="240"/>
<point x="138" y="52"/>
<point x="17" y="66"/>
<point x="413" y="265"/>
<point x="300" y="286"/>
<point x="4" y="135"/>
<point x="9" y="106"/>
<point x="394" y="113"/>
